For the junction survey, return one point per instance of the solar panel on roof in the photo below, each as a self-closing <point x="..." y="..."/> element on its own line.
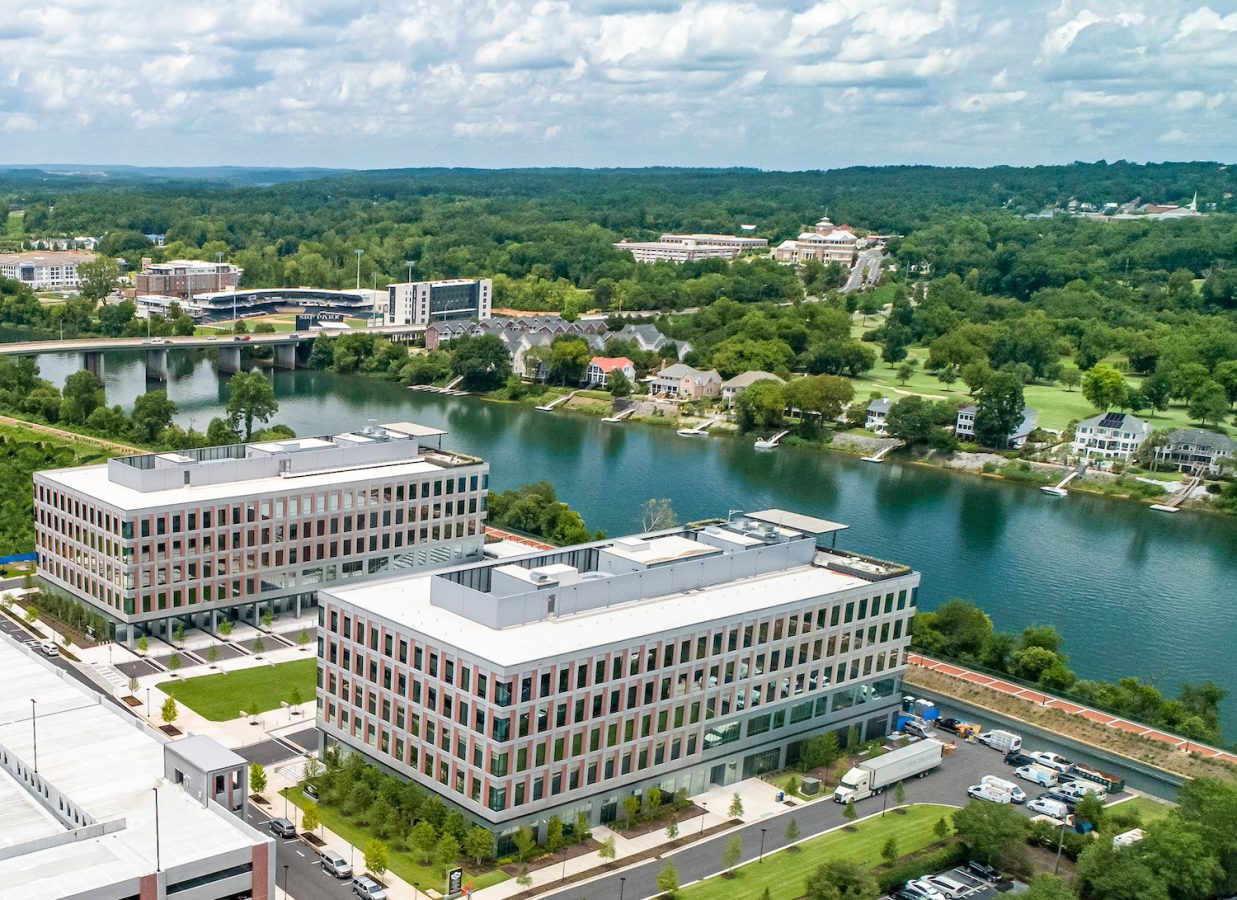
<point x="1112" y="420"/>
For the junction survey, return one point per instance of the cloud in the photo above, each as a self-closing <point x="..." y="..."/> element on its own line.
<point x="797" y="84"/>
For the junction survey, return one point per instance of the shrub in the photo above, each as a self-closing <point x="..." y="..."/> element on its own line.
<point x="933" y="861"/>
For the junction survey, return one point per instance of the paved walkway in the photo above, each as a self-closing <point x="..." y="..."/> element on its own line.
<point x="1050" y="702"/>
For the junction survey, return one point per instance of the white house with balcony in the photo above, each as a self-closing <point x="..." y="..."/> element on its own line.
<point x="1110" y="435"/>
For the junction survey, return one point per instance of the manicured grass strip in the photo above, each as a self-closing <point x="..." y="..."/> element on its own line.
<point x="404" y="863"/>
<point x="220" y="697"/>
<point x="785" y="873"/>
<point x="1148" y="809"/>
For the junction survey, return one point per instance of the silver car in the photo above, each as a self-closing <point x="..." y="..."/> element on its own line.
<point x="334" y="864"/>
<point x="368" y="889"/>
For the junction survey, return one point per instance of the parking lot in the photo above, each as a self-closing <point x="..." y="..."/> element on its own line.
<point x="975" y="887"/>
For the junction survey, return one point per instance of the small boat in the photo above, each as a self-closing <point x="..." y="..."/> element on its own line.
<point x="1052" y="491"/>
<point x="691" y="432"/>
<point x="765" y="445"/>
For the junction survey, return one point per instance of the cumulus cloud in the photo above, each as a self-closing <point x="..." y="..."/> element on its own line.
<point x="796" y="84"/>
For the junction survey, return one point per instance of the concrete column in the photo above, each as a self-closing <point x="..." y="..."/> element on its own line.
<point x="298" y="606"/>
<point x="92" y="362"/>
<point x="229" y="360"/>
<point x="156" y="364"/>
<point x="285" y="356"/>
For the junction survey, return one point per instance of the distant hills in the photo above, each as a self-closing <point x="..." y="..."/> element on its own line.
<point x="254" y="176"/>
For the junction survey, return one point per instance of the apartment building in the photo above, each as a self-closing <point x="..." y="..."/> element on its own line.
<point x="560" y="682"/>
<point x="1110" y="435"/>
<point x="161" y="538"/>
<point x="97" y="805"/>
<point x="186" y="278"/>
<point x="54" y="270"/>
<point x="423" y="302"/>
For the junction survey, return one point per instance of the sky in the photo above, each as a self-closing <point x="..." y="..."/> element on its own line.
<point x="496" y="83"/>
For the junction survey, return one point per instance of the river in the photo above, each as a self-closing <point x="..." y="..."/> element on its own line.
<point x="1132" y="591"/>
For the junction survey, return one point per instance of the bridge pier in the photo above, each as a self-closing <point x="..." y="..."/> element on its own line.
<point x="156" y="365"/>
<point x="229" y="360"/>
<point x="92" y="362"/>
<point x="285" y="356"/>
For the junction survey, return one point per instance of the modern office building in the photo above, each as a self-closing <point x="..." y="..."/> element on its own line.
<point x="423" y="302"/>
<point x="185" y="278"/>
<point x="95" y="805"/>
<point x="679" y="251"/>
<point x="560" y="682"/>
<point x="158" y="538"/>
<point x="239" y="304"/>
<point x="52" y="270"/>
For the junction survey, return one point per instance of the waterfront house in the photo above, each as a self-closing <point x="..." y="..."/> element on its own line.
<point x="878" y="410"/>
<point x="681" y="382"/>
<point x="600" y="368"/>
<point x="1196" y="451"/>
<point x="732" y="388"/>
<point x="964" y="426"/>
<point x="1110" y="435"/>
<point x="646" y="337"/>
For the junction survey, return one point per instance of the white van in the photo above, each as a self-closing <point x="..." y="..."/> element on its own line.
<point x="1037" y="775"/>
<point x="950" y="887"/>
<point x="1046" y="806"/>
<point x="1005" y="741"/>
<point x="1016" y="794"/>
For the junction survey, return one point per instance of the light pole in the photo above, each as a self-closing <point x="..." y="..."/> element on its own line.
<point x="415" y="888"/>
<point x="564" y="878"/>
<point x="358" y="268"/>
<point x="285" y="879"/>
<point x="622" y="885"/>
<point x="705" y="807"/>
<point x="148" y="703"/>
<point x="409" y="263"/>
<point x="1060" y="842"/>
<point x="34" y="727"/>
<point x="762" y="846"/>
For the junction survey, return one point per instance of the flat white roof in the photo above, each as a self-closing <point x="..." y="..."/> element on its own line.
<point x="659" y="549"/>
<point x="797" y="521"/>
<point x="414" y="430"/>
<point x="93" y="481"/>
<point x="406" y="601"/>
<point x="97" y="756"/>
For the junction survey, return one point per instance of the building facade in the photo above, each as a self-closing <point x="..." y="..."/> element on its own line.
<point x="733" y="387"/>
<point x="1196" y="451"/>
<point x="964" y="426"/>
<point x="1110" y="435"/>
<point x="561" y="682"/>
<point x="681" y="382"/>
<point x="600" y="367"/>
<point x="44" y="271"/>
<point x="162" y="538"/>
<point x="878" y="412"/>
<point x="681" y="248"/>
<point x="185" y="278"/>
<point x="825" y="243"/>
<point x="423" y="302"/>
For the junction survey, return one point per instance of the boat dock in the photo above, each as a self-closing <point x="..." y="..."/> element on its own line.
<point x="452" y="388"/>
<point x="1058" y="490"/>
<point x="1173" y="503"/>
<point x="553" y="403"/>
<point x="701" y="429"/>
<point x="772" y="442"/>
<point x="879" y="455"/>
<point x="620" y="416"/>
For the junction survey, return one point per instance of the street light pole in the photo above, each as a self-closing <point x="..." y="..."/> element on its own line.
<point x="358" y="268"/>
<point x="564" y="878"/>
<point x="762" y="846"/>
<point x="1060" y="842"/>
<point x="705" y="807"/>
<point x="622" y="885"/>
<point x="148" y="703"/>
<point x="285" y="879"/>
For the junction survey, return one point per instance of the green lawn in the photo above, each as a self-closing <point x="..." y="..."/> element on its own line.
<point x="14" y="226"/>
<point x="785" y="874"/>
<point x="220" y="697"/>
<point x="1148" y="809"/>
<point x="402" y="862"/>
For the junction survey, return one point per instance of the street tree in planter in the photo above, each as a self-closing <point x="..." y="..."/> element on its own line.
<point x="169" y="711"/>
<point x="257" y="778"/>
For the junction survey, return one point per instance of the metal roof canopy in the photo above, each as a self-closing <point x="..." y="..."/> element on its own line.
<point x="412" y="429"/>
<point x="787" y="519"/>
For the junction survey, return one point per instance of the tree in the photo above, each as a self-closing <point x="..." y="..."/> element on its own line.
<point x="267" y="619"/>
<point x="251" y="397"/>
<point x="376" y="854"/>
<point x="657" y="515"/>
<point x="302" y="637"/>
<point x="631" y="810"/>
<point x="178" y="634"/>
<point x="220" y="433"/>
<point x="1107" y="873"/>
<point x="482" y="361"/>
<point x="761" y="406"/>
<point x="311" y="818"/>
<point x="569" y="358"/>
<point x="889" y="852"/>
<point x="899" y="793"/>
<point x="258" y="647"/>
<point x="1209" y="403"/>
<point x="152" y="412"/>
<point x="668" y="880"/>
<point x="912" y="419"/>
<point x="732" y="852"/>
<point x="524" y="879"/>
<point x="672" y="829"/>
<point x="169" y="711"/>
<point x="257" y="778"/>
<point x="841" y="879"/>
<point x="736" y="807"/>
<point x="554" y="834"/>
<point x="1048" y="887"/>
<point x="620" y="384"/>
<point x="174" y="662"/>
<point x="1104" y="387"/>
<point x="83" y="394"/>
<point x="607" y="850"/>
<point x="792" y="831"/>
<point x="524" y="841"/>
<point x="448" y="849"/>
<point x="1179" y="855"/>
<point x="905" y="371"/>
<point x="224" y="628"/>
<point x="1070" y="377"/>
<point x="975" y="375"/>
<point x="941" y="829"/>
<point x="992" y="831"/>
<point x="999" y="411"/>
<point x="850" y="813"/>
<point x="143" y="642"/>
<point x="97" y="278"/>
<point x="821" y="750"/>
<point x="424" y="837"/>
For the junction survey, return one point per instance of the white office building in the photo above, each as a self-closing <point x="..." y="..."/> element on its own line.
<point x="423" y="302"/>
<point x="52" y="270"/>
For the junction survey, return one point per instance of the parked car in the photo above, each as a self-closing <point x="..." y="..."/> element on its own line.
<point x="1018" y="758"/>
<point x="989" y="793"/>
<point x="282" y="828"/>
<point x="950" y="887"/>
<point x="1053" y="761"/>
<point x="923" y="889"/>
<point x="1069" y="799"/>
<point x="949" y="724"/>
<point x="1048" y="807"/>
<point x="1037" y="774"/>
<point x="368" y="889"/>
<point x="1076" y="790"/>
<point x="983" y="870"/>
<point x="334" y="864"/>
<point x="47" y="648"/>
<point x="1016" y="794"/>
<point x="213" y="337"/>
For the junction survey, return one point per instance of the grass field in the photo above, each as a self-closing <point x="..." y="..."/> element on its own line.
<point x="220" y="697"/>
<point x="400" y="861"/>
<point x="785" y="874"/>
<point x="15" y="225"/>
<point x="1148" y="809"/>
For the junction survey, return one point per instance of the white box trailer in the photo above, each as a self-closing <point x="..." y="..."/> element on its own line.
<point x="874" y="775"/>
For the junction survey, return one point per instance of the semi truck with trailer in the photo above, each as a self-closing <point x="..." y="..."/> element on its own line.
<point x="880" y="772"/>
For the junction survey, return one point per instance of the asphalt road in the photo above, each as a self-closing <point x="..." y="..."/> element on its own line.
<point x="304" y="878"/>
<point x="947" y="785"/>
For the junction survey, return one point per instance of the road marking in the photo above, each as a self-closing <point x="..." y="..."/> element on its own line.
<point x="300" y="854"/>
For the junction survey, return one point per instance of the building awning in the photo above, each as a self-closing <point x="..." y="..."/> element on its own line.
<point x="806" y="524"/>
<point x="412" y="429"/>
